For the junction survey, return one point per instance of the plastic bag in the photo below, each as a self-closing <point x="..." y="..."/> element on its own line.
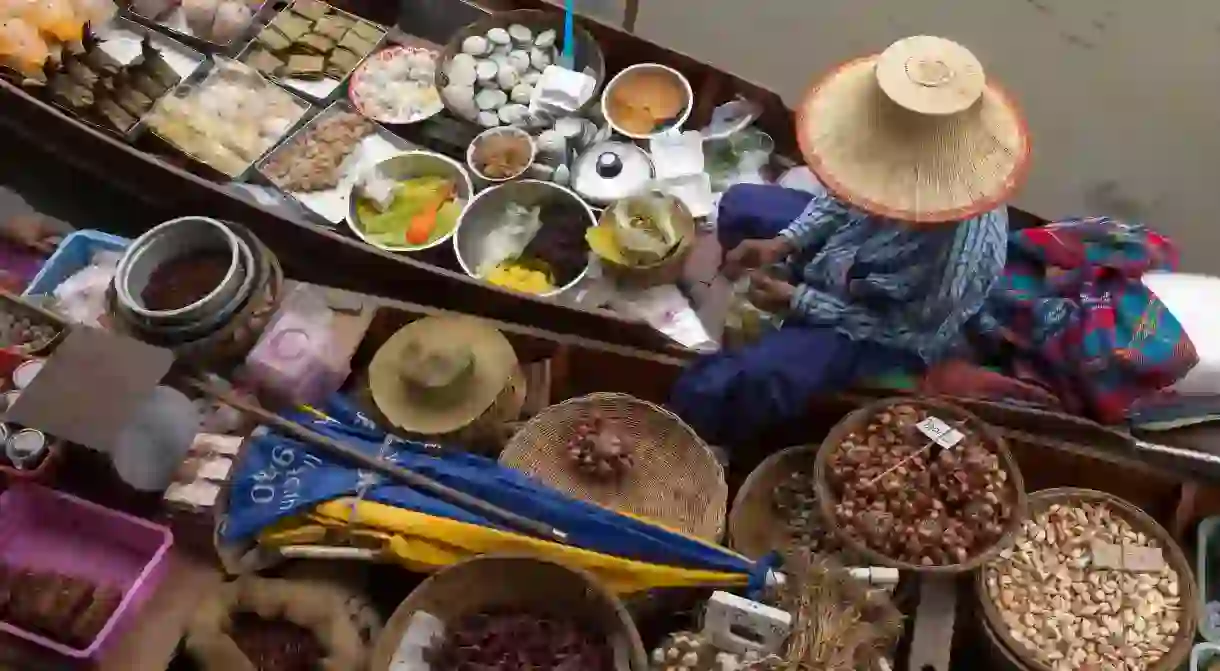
<point x="289" y="364"/>
<point x="21" y="47"/>
<point x="508" y="240"/>
<point x="82" y="297"/>
<point x="643" y="228"/>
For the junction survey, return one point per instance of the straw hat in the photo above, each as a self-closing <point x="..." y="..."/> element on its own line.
<point x="915" y="133"/>
<point x="439" y="374"/>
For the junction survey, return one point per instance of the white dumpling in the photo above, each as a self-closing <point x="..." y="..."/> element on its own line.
<point x="531" y="77"/>
<point x="540" y="58"/>
<point x="490" y="99"/>
<point x="475" y="45"/>
<point x="488" y="119"/>
<point x="419" y="59"/>
<point x="462" y="72"/>
<point x="514" y="113"/>
<point x="545" y="39"/>
<point x="507" y="78"/>
<point x="200" y="15"/>
<point x="461" y="99"/>
<point x="519" y="60"/>
<point x="499" y="36"/>
<point x="520" y="34"/>
<point x="521" y="93"/>
<point x="486" y="71"/>
<point x="232" y="18"/>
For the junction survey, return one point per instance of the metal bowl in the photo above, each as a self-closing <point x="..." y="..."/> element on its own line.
<point x="406" y="166"/>
<point x="173" y="240"/>
<point x="677" y="122"/>
<point x="486" y="212"/>
<point x="492" y="132"/>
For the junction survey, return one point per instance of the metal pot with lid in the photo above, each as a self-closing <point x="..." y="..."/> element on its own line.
<point x="611" y="171"/>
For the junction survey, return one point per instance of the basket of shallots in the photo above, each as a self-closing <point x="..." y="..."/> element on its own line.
<point x="630" y="455"/>
<point x="536" y="613"/>
<point x="919" y="485"/>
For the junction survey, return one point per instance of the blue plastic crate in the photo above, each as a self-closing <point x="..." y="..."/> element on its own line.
<point x="72" y="255"/>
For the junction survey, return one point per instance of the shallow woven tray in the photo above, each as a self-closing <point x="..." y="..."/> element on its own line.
<point x="946" y="411"/>
<point x="755" y="528"/>
<point x="495" y="582"/>
<point x="676" y="480"/>
<point x="1143" y="523"/>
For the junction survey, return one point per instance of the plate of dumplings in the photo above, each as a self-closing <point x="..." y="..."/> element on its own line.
<point x="488" y="72"/>
<point x="397" y="85"/>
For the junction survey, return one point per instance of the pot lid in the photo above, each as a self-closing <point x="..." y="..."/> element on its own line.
<point x="610" y="171"/>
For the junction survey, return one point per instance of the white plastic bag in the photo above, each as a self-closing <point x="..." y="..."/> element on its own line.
<point x="507" y="240"/>
<point x="1189" y="299"/>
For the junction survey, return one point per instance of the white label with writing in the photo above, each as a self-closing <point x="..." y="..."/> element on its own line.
<point x="940" y="432"/>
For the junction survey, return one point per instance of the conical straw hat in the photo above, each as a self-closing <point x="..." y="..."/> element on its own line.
<point x="916" y="133"/>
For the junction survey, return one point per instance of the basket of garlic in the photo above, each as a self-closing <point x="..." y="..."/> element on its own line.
<point x="1091" y="582"/>
<point x="488" y="71"/>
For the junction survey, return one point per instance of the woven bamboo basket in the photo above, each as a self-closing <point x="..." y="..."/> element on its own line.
<point x="1007" y="647"/>
<point x="754" y="527"/>
<point x="665" y="271"/>
<point x="496" y="582"/>
<point x="949" y="412"/>
<point x="676" y="480"/>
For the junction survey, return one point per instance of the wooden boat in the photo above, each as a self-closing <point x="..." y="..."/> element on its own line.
<point x="1061" y="449"/>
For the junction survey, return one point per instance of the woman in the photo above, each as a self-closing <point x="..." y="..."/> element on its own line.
<point x="880" y="270"/>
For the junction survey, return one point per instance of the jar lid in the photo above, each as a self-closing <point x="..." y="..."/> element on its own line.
<point x="610" y="171"/>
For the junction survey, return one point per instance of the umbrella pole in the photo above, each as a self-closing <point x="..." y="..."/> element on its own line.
<point x="390" y="470"/>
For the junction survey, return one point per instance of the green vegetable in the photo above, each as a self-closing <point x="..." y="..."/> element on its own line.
<point x="410" y="198"/>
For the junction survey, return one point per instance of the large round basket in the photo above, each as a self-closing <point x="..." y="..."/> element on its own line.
<point x="1179" y="651"/>
<point x="493" y="582"/>
<point x="755" y="529"/>
<point x="675" y="481"/>
<point x="587" y="53"/>
<point x="857" y="421"/>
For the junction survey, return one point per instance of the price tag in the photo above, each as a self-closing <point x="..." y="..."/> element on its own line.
<point x="939" y="432"/>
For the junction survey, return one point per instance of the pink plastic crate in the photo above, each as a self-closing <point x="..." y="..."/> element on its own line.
<point x="44" y="529"/>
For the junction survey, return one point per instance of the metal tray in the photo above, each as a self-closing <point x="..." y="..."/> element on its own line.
<point x="174" y="24"/>
<point x="200" y="79"/>
<point x="331" y="205"/>
<point x="323" y="89"/>
<point x="120" y="38"/>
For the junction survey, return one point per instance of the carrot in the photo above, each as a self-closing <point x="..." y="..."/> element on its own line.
<point x="420" y="228"/>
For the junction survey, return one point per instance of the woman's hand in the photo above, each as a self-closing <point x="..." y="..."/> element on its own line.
<point x="32" y="231"/>
<point x="769" y="294"/>
<point x="753" y="254"/>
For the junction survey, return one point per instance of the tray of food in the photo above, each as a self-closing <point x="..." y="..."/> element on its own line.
<point x="397" y="85"/>
<point x="228" y="118"/>
<point x="122" y="70"/>
<point x="211" y="24"/>
<point x="312" y="47"/>
<point x="320" y="162"/>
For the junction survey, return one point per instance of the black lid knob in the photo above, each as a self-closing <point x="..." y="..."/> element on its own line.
<point x="609" y="164"/>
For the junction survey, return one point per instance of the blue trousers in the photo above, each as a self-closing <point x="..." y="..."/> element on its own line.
<point x="732" y="396"/>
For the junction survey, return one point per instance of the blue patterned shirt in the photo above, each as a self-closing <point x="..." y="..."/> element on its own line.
<point x="911" y="287"/>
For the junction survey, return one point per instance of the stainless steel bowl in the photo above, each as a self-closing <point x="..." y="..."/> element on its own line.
<point x="173" y="240"/>
<point x="406" y="166"/>
<point x="486" y="212"/>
